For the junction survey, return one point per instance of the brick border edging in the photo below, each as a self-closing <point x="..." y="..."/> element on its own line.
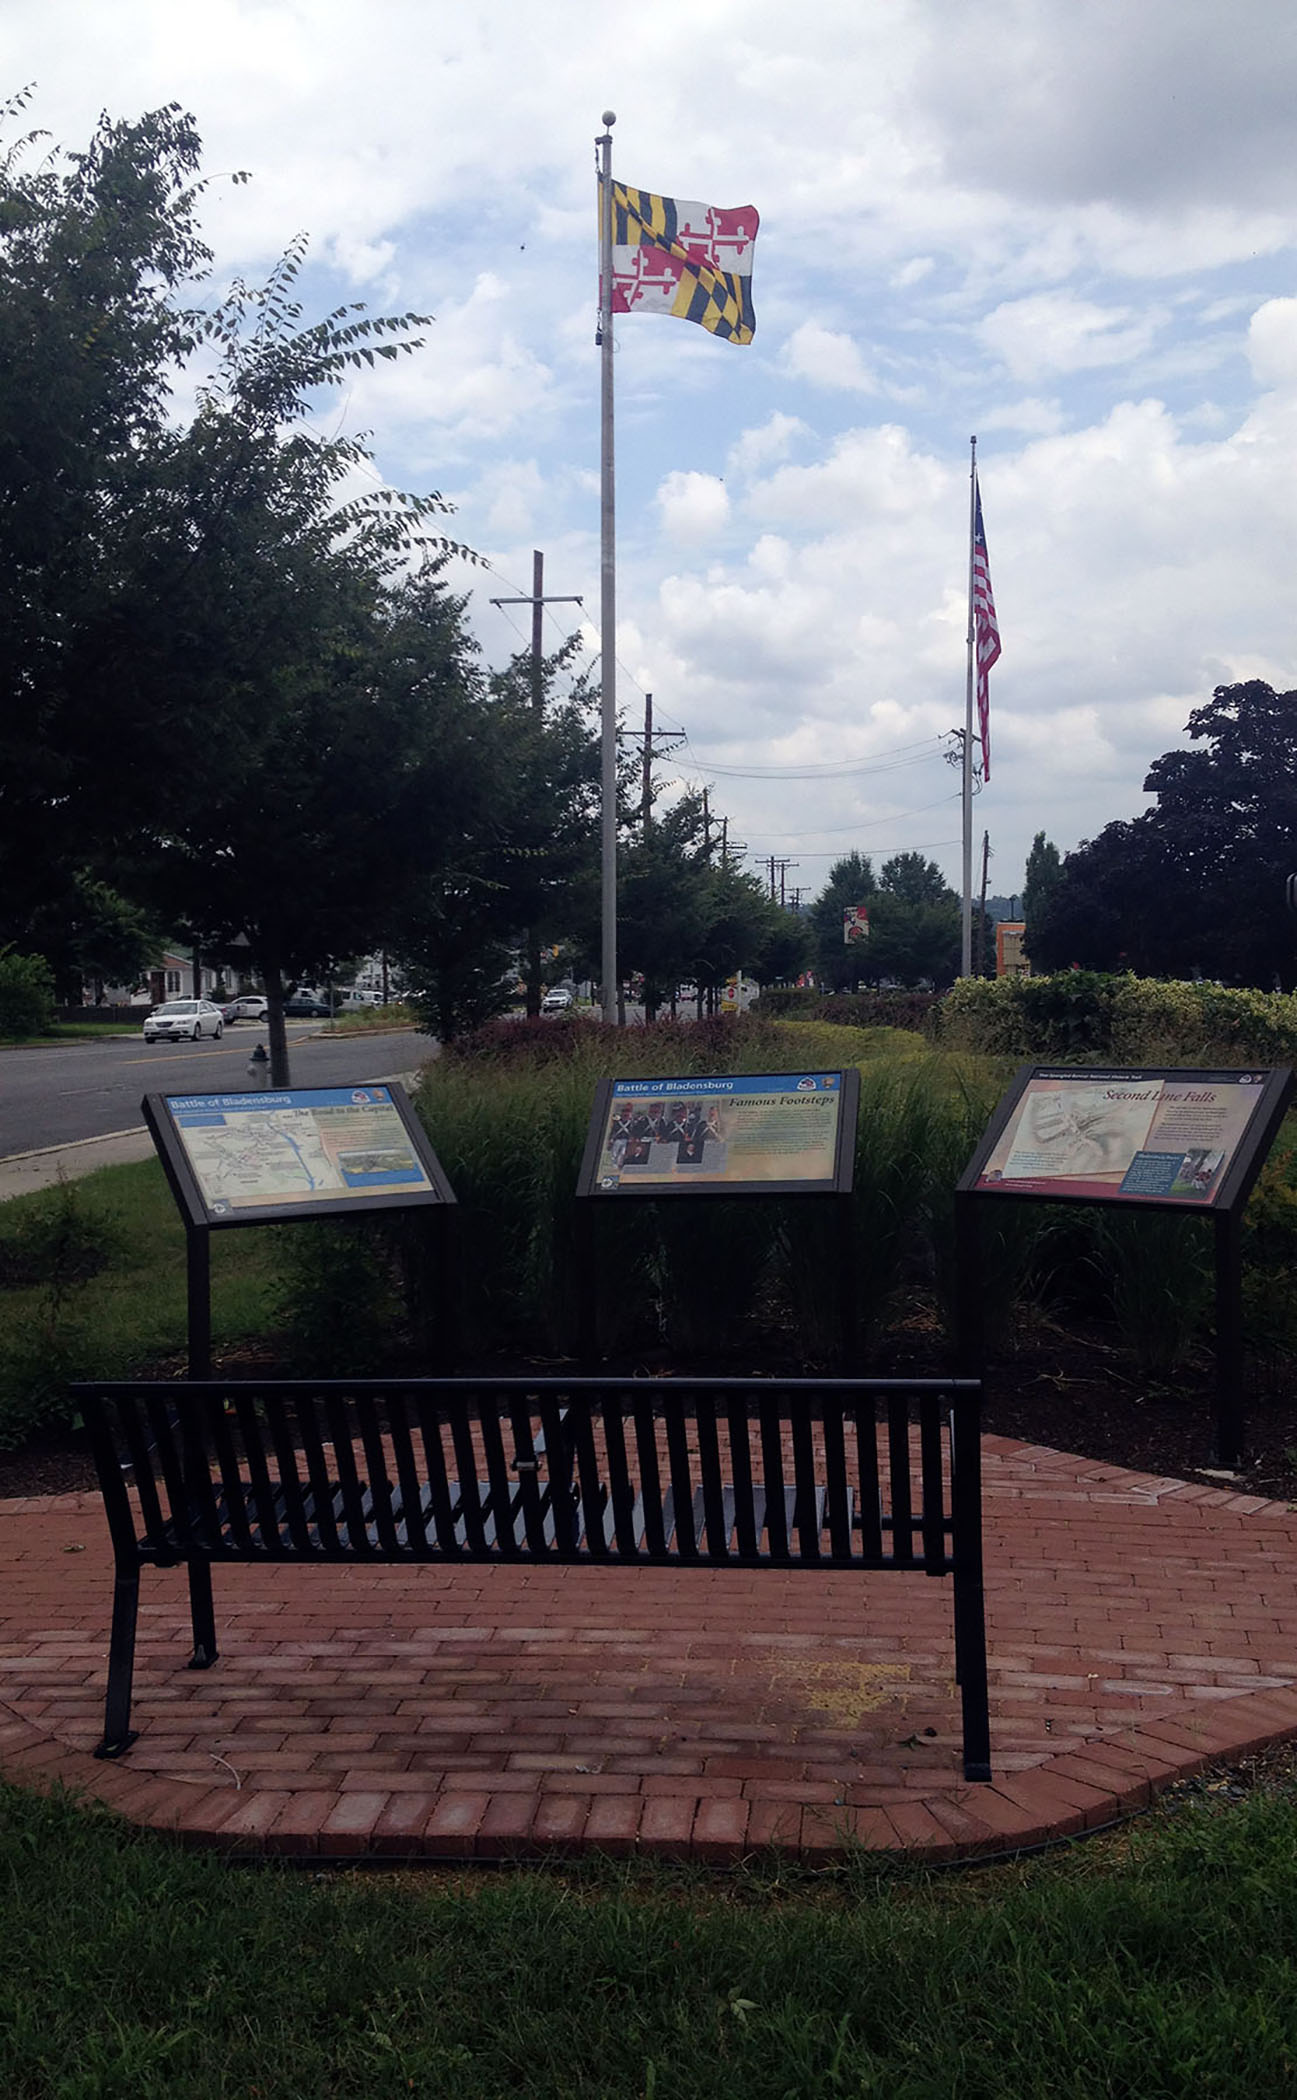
<point x="1082" y="1789"/>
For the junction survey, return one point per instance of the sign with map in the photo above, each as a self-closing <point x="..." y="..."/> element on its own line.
<point x="767" y="1133"/>
<point x="243" y="1159"/>
<point x="1166" y="1137"/>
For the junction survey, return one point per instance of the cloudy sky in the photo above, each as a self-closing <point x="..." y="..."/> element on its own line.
<point x="1069" y="229"/>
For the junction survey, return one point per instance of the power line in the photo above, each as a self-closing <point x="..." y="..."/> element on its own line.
<point x="829" y="768"/>
<point x="828" y="831"/>
<point x="868" y="846"/>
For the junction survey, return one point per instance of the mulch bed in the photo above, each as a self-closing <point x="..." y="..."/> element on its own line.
<point x="1071" y="1390"/>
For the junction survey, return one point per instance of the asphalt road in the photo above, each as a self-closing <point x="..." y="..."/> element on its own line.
<point x="59" y="1094"/>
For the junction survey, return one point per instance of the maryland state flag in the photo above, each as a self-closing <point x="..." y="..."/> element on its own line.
<point x="691" y="260"/>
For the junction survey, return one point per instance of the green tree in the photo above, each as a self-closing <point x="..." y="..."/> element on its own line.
<point x="914" y="880"/>
<point x="746" y="929"/>
<point x="909" y="942"/>
<point x="226" y="695"/>
<point x="1043" y="872"/>
<point x="264" y="655"/>
<point x="663" y="900"/>
<point x="91" y="931"/>
<point x="550" y="787"/>
<point x="517" y="858"/>
<point x="94" y="251"/>
<point x="851" y="881"/>
<point x="1195" y="886"/>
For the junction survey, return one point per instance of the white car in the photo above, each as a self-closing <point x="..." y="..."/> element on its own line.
<point x="557" y="1001"/>
<point x="249" y="1006"/>
<point x="183" y="1017"/>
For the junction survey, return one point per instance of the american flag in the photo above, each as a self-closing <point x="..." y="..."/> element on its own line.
<point x="986" y="632"/>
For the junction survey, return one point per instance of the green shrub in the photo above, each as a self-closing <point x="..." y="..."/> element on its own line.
<point x="51" y="1246"/>
<point x="57" y="1240"/>
<point x="26" y="994"/>
<point x="1158" y="1271"/>
<point x="899" y="1009"/>
<point x="335" y="1298"/>
<point x="1083" y="1017"/>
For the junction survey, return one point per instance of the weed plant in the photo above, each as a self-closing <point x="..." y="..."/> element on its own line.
<point x="111" y="1299"/>
<point x="1159" y="1969"/>
<point x="1158" y="1272"/>
<point x="335" y="1298"/>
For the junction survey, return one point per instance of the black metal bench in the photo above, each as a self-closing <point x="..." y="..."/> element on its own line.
<point x="735" y="1473"/>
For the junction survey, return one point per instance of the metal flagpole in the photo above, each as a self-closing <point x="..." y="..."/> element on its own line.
<point x="608" y="584"/>
<point x="966" y="942"/>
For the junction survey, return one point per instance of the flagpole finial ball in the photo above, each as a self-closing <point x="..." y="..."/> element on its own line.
<point x="609" y="117"/>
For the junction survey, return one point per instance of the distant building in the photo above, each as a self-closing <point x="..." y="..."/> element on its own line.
<point x="1010" y="956"/>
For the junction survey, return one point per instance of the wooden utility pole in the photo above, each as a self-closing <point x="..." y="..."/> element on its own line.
<point x="537" y="601"/>
<point x="653" y="741"/>
<point x="780" y="867"/>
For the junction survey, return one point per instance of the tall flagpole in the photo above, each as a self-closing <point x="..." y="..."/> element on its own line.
<point x="608" y="584"/>
<point x="966" y="941"/>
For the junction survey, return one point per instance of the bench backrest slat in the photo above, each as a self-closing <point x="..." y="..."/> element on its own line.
<point x="651" y="1530"/>
<point x="438" y="1501"/>
<point x="898" y="1473"/>
<point x="747" y="1531"/>
<point x="682" y="1484"/>
<point x="772" y="1466"/>
<point x="806" y="1515"/>
<point x="501" y="1486"/>
<point x="837" y="1490"/>
<point x="622" y="1495"/>
<point x="869" y="1511"/>
<point x="933" y="1500"/>
<point x="718" y="1472"/>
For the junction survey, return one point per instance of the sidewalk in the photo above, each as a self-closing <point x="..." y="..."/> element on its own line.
<point x="22" y="1172"/>
<point x="1139" y="1629"/>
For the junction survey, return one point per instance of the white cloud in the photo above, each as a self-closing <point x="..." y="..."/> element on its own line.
<point x="1272" y="343"/>
<point x="772" y="440"/>
<point x="693" y="507"/>
<point x="1031" y="415"/>
<point x="1056" y="332"/>
<point x="827" y="358"/>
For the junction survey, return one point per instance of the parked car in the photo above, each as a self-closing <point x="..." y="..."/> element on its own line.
<point x="249" y="1007"/>
<point x="183" y="1017"/>
<point x="557" y="1001"/>
<point x="304" y="1004"/>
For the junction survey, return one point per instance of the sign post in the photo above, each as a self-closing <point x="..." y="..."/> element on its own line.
<point x="727" y="1135"/>
<point x="1146" y="1139"/>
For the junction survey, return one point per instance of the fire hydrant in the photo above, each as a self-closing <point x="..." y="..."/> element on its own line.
<point x="259" y="1066"/>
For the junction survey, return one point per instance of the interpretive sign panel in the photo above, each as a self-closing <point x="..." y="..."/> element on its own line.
<point x="1186" y="1139"/>
<point x="244" y="1159"/>
<point x="767" y="1134"/>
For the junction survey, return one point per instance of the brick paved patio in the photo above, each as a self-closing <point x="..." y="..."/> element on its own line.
<point x="1139" y="1628"/>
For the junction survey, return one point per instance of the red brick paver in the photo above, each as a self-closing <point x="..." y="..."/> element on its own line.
<point x="1139" y="1628"/>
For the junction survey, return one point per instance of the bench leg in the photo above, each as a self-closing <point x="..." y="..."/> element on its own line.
<point x="970" y="1676"/>
<point x="202" y="1616"/>
<point x="118" y="1733"/>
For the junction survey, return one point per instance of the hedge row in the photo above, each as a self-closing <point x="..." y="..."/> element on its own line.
<point x="899" y="1009"/>
<point x="1083" y="1017"/>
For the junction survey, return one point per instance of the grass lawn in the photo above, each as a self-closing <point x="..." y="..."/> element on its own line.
<point x="108" y="1292"/>
<point x="1157" y="1964"/>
